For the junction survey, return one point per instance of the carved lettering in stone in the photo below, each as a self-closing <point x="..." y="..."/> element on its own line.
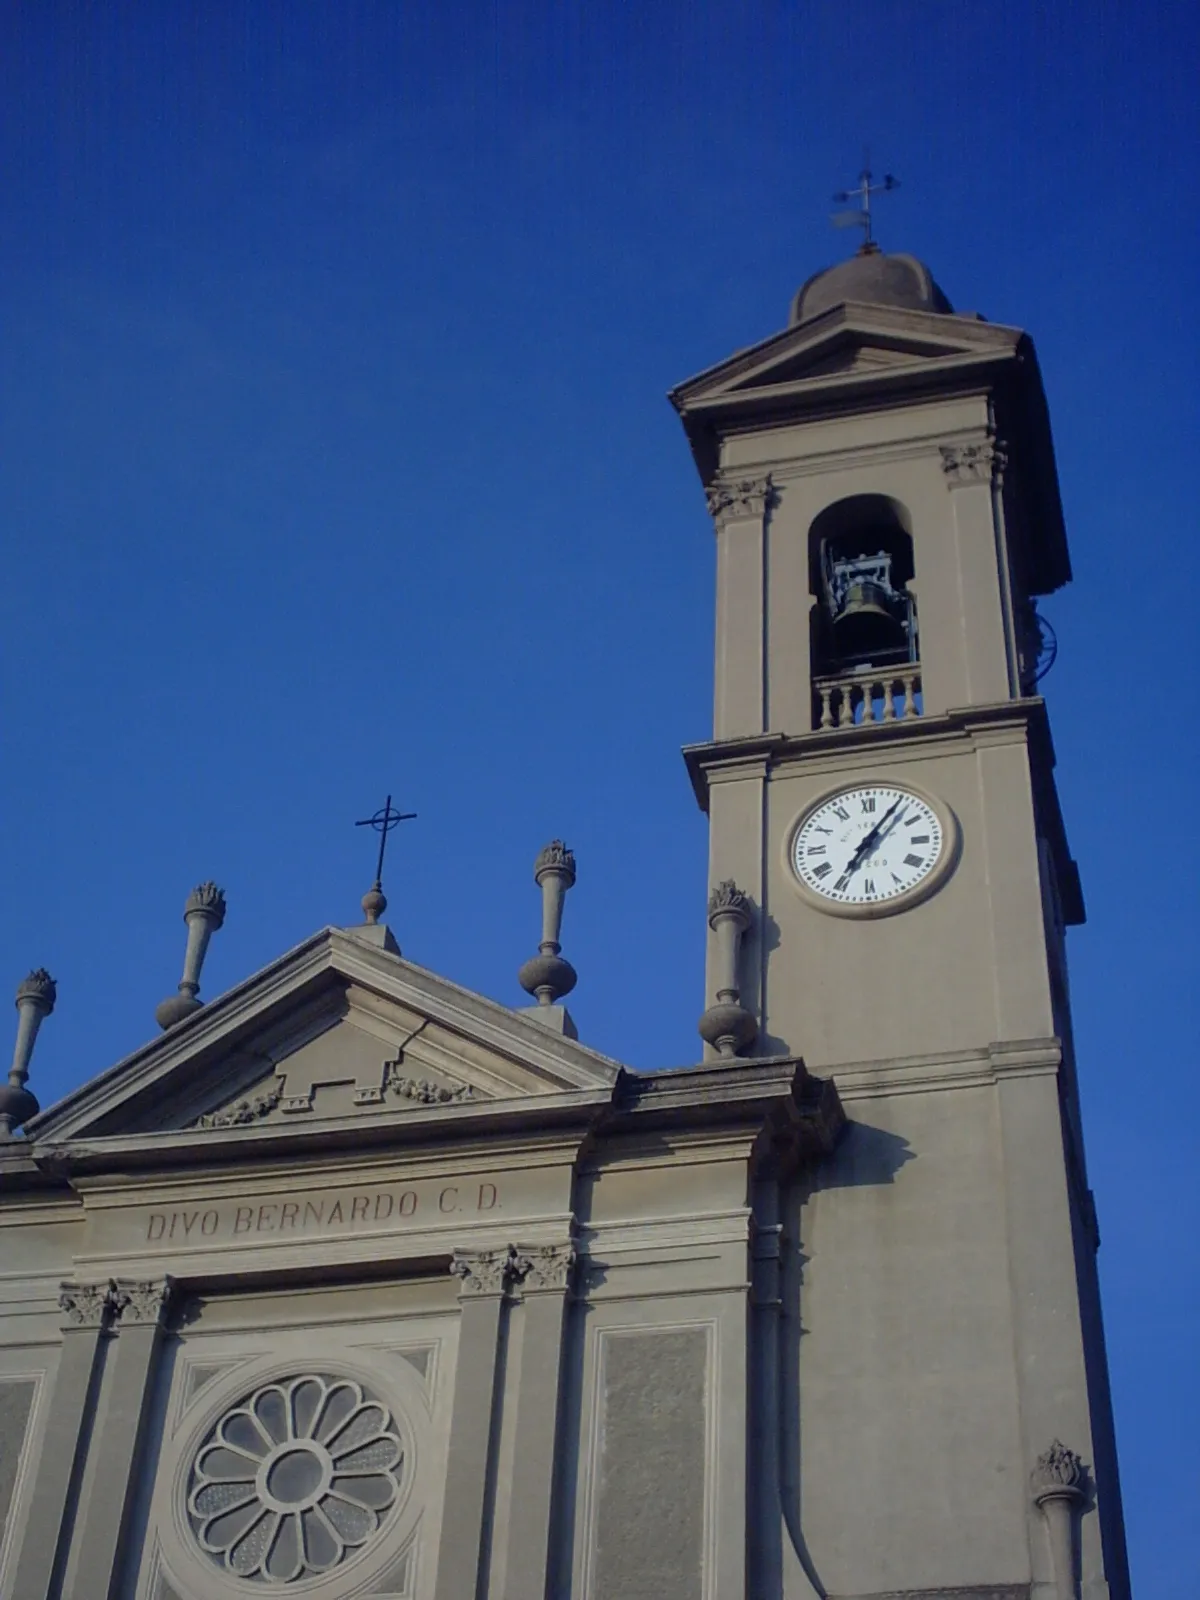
<point x="731" y="499"/>
<point x="547" y="1266"/>
<point x="145" y="1302"/>
<point x="973" y="463"/>
<point x="484" y="1271"/>
<point x="89" y="1305"/>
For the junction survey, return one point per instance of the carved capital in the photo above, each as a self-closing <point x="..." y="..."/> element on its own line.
<point x="1058" y="1474"/>
<point x="555" y="857"/>
<point x="544" y="1266"/>
<point x="731" y="499"/>
<point x="144" y="1301"/>
<point x="983" y="462"/>
<point x="89" y="1305"/>
<point x="483" y="1272"/>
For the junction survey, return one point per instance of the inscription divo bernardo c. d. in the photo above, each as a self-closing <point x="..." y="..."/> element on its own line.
<point x="341" y="1213"/>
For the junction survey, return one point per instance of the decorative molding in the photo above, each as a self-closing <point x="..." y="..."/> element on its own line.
<point x="1058" y="1472"/>
<point x="147" y="1301"/>
<point x="89" y="1305"/>
<point x="251" y="1109"/>
<point x="983" y="462"/>
<point x="731" y="500"/>
<point x="727" y="900"/>
<point x="555" y="857"/>
<point x="424" y="1091"/>
<point x="483" y="1272"/>
<point x="547" y="1266"/>
<point x="208" y="898"/>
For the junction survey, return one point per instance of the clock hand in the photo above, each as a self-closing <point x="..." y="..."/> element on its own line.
<point x="870" y="840"/>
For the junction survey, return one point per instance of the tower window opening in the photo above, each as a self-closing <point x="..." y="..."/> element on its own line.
<point x="861" y="558"/>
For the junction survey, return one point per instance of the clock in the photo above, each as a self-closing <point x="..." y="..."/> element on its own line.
<point x="871" y="849"/>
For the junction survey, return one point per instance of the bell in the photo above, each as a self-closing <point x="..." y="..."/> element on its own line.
<point x="866" y="625"/>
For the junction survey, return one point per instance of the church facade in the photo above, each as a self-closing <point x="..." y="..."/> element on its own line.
<point x="356" y="1283"/>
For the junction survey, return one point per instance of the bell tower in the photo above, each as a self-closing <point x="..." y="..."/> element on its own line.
<point x="880" y="788"/>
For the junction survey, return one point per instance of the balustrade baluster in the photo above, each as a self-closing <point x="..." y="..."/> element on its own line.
<point x="846" y="706"/>
<point x="889" y="705"/>
<point x="826" y="692"/>
<point x="910" y="707"/>
<point x="868" y="694"/>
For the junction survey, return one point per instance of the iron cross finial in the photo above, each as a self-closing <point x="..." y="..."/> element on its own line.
<point x="383" y="822"/>
<point x="862" y="193"/>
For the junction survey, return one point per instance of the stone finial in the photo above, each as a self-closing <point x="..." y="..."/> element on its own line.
<point x="35" y="999"/>
<point x="1059" y="1485"/>
<point x="547" y="976"/>
<point x="204" y="912"/>
<point x="727" y="1025"/>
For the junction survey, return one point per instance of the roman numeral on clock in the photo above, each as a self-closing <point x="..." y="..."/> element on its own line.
<point x="823" y="870"/>
<point x="914" y="861"/>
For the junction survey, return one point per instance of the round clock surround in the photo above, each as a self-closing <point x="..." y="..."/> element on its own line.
<point x="870" y="849"/>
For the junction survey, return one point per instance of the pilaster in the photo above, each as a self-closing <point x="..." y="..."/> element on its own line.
<point x="140" y="1312"/>
<point x="485" y="1277"/>
<point x="88" y="1310"/>
<point x="740" y="509"/>
<point x="545" y="1273"/>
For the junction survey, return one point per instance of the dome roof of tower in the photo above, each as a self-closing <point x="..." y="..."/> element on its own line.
<point x="872" y="277"/>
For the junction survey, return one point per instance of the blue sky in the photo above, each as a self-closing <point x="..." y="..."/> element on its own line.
<point x="336" y="459"/>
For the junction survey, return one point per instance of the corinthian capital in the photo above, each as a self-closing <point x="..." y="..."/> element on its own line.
<point x="981" y="462"/>
<point x="483" y="1271"/>
<point x="144" y="1301"/>
<point x="89" y="1305"/>
<point x="732" y="498"/>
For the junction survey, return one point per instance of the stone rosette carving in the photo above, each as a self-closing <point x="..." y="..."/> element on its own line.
<point x="250" y="1109"/>
<point x="983" y="462"/>
<point x="730" y="499"/>
<point x="294" y="1479"/>
<point x="484" y="1271"/>
<point x="546" y="1266"/>
<point x="1058" y="1474"/>
<point x="89" y="1305"/>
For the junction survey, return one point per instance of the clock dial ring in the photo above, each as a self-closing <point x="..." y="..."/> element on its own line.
<point x="870" y="849"/>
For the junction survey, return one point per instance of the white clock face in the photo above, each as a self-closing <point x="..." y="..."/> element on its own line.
<point x="867" y="846"/>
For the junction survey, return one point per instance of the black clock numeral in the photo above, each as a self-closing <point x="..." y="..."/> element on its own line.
<point x="841" y="813"/>
<point x="869" y="886"/>
<point x="817" y="849"/>
<point x="843" y="883"/>
<point x="919" y="838"/>
<point x="911" y="822"/>
<point x="822" y="830"/>
<point x="914" y="861"/>
<point x="868" y="802"/>
<point x="823" y="870"/>
<point x="895" y="879"/>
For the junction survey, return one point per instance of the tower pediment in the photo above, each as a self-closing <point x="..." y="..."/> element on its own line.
<point x="850" y="341"/>
<point x="339" y="1035"/>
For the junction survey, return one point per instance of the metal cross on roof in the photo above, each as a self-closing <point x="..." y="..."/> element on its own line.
<point x="383" y="822"/>
<point x="865" y="189"/>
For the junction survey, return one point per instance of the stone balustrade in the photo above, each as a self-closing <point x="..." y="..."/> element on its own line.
<point x="873" y="696"/>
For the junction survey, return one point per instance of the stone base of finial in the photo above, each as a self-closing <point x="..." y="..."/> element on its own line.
<point x="377" y="934"/>
<point x="728" y="1027"/>
<point x="174" y="1008"/>
<point x="16" y="1107"/>
<point x="549" y="977"/>
<point x="557" y="1018"/>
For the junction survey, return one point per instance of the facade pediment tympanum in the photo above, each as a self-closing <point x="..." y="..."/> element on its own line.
<point x="338" y="1030"/>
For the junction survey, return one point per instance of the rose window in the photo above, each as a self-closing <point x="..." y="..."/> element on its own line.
<point x="294" y="1479"/>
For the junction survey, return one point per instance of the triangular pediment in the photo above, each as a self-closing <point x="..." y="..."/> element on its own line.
<point x="340" y="1030"/>
<point x="848" y="342"/>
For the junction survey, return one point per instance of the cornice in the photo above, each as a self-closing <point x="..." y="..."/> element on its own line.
<point x="951" y="1069"/>
<point x="1006" y="721"/>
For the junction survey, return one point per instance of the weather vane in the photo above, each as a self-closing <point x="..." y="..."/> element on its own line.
<point x="374" y="904"/>
<point x="865" y="189"/>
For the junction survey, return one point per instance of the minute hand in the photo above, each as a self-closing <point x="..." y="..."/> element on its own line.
<point x="866" y="844"/>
